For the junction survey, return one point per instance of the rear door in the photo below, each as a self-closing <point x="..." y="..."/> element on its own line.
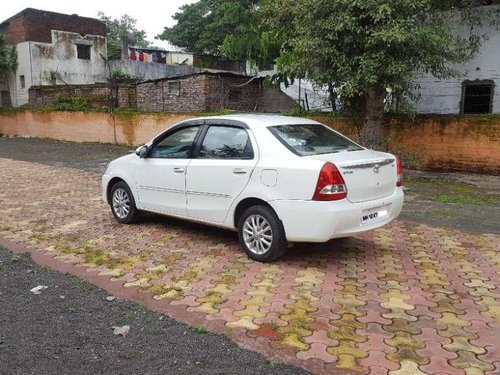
<point x="221" y="169"/>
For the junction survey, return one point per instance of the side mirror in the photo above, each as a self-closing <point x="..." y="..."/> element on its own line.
<point x="142" y="151"/>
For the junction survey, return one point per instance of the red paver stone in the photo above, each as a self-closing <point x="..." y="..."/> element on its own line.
<point x="438" y="286"/>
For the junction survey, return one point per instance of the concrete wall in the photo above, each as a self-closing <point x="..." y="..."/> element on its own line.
<point x="59" y="59"/>
<point x="151" y="70"/>
<point x="57" y="63"/>
<point x="131" y="129"/>
<point x="463" y="143"/>
<point x="446" y="143"/>
<point x="18" y="94"/>
<point x="175" y="58"/>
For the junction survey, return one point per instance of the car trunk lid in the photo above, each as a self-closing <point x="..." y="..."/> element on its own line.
<point x="368" y="175"/>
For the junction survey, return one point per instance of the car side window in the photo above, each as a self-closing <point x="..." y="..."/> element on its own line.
<point x="175" y="146"/>
<point x="224" y="142"/>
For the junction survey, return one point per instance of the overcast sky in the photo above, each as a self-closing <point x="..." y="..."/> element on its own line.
<point x="151" y="16"/>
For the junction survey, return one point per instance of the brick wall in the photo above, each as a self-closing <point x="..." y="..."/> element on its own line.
<point x="14" y="30"/>
<point x="235" y="93"/>
<point x="196" y="93"/>
<point x="210" y="92"/>
<point x="186" y="94"/>
<point x="96" y="95"/>
<point x="275" y="100"/>
<point x="36" y="25"/>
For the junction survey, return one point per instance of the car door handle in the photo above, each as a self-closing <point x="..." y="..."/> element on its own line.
<point x="179" y="170"/>
<point x="239" y="171"/>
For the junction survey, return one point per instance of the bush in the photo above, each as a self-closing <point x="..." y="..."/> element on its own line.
<point x="72" y="105"/>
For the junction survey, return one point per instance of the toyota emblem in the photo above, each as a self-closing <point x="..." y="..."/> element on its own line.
<point x="376" y="168"/>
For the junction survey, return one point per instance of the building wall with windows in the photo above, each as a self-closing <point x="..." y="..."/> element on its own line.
<point x="54" y="49"/>
<point x="476" y="90"/>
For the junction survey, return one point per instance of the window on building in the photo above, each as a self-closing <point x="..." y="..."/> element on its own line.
<point x="23" y="81"/>
<point x="83" y="51"/>
<point x="174" y="88"/>
<point x="477" y="97"/>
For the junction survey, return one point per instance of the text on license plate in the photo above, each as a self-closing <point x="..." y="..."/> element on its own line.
<point x="374" y="214"/>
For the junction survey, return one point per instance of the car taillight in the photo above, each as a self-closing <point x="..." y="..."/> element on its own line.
<point x="400" y="172"/>
<point x="331" y="184"/>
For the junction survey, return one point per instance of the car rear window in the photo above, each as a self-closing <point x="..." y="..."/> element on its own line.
<point x="306" y="140"/>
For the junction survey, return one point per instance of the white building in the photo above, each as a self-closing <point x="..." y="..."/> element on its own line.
<point x="53" y="49"/>
<point x="476" y="90"/>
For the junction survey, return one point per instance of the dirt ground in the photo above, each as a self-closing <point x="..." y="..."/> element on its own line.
<point x="461" y="201"/>
<point x="81" y="339"/>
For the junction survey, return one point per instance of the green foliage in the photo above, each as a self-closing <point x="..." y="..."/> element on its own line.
<point x="118" y="74"/>
<point x="364" y="47"/>
<point x="200" y="329"/>
<point x="227" y="28"/>
<point x="447" y="191"/>
<point x="72" y="105"/>
<point x="117" y="29"/>
<point x="8" y="59"/>
<point x="371" y="43"/>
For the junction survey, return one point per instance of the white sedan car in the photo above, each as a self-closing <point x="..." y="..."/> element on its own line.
<point x="274" y="179"/>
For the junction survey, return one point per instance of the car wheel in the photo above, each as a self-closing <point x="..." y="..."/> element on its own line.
<point x="261" y="234"/>
<point x="123" y="203"/>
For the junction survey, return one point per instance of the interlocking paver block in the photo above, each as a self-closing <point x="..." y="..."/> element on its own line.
<point x="404" y="299"/>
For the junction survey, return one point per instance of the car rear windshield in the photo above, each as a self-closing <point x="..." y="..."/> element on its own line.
<point x="306" y="140"/>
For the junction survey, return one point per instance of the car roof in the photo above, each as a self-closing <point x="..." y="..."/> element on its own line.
<point x="264" y="120"/>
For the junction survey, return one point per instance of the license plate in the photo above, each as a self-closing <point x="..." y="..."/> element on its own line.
<point x="374" y="214"/>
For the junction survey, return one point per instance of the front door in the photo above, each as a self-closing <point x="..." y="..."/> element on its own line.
<point x="161" y="176"/>
<point x="219" y="173"/>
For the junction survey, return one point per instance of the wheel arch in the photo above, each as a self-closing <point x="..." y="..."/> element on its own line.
<point x="246" y="203"/>
<point x="110" y="185"/>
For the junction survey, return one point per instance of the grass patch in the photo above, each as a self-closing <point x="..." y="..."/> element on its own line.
<point x="200" y="329"/>
<point x="445" y="214"/>
<point x="46" y="269"/>
<point x="83" y="283"/>
<point x="275" y="363"/>
<point x="159" y="290"/>
<point x="446" y="191"/>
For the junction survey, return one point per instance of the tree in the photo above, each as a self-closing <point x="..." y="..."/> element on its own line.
<point x="125" y="26"/>
<point x="228" y="28"/>
<point x="8" y="60"/>
<point x="365" y="47"/>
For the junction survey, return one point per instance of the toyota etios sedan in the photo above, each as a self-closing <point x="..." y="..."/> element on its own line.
<point x="274" y="179"/>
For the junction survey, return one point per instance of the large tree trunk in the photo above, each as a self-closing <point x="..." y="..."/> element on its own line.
<point x="372" y="131"/>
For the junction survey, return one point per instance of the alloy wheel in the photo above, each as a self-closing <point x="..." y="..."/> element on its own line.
<point x="257" y="234"/>
<point x="121" y="203"/>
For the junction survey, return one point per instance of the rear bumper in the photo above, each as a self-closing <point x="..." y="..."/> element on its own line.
<point x="311" y="221"/>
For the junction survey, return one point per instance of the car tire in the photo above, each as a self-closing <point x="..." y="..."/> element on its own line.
<point x="261" y="234"/>
<point x="123" y="204"/>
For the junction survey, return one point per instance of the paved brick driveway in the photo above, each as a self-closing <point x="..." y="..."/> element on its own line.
<point x="405" y="299"/>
